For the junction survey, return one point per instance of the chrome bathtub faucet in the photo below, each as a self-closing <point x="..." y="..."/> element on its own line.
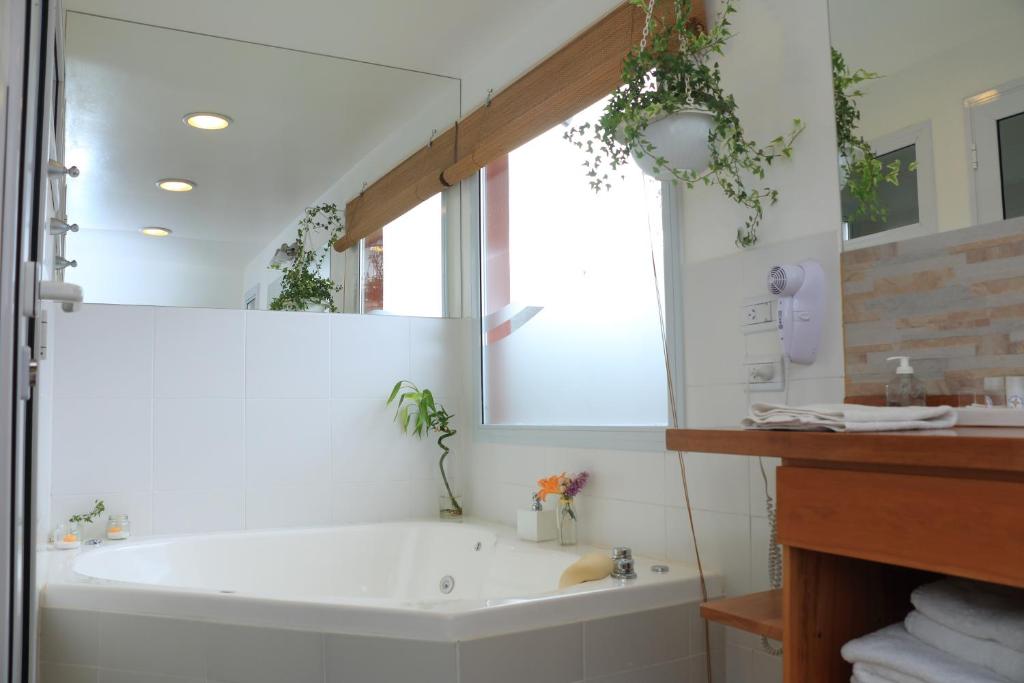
<point x="623" y="566"/>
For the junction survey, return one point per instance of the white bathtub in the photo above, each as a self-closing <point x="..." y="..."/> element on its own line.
<point x="375" y="579"/>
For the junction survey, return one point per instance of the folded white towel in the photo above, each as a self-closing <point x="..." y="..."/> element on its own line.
<point x="894" y="648"/>
<point x="848" y="417"/>
<point x="866" y="673"/>
<point x="987" y="653"/>
<point x="975" y="609"/>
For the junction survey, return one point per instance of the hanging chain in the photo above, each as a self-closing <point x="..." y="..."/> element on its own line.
<point x="647" y="25"/>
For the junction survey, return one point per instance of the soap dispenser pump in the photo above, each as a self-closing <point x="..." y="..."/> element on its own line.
<point x="905" y="389"/>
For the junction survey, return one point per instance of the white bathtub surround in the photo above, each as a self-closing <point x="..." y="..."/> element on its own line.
<point x="194" y="420"/>
<point x="308" y="603"/>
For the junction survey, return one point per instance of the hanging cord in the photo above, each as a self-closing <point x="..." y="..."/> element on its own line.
<point x="674" y="419"/>
<point x="774" y="549"/>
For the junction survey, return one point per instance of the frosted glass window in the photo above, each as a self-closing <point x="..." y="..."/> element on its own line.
<point x="571" y="330"/>
<point x="403" y="265"/>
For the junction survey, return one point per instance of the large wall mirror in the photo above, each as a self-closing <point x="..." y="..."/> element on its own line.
<point x="932" y="116"/>
<point x="178" y="212"/>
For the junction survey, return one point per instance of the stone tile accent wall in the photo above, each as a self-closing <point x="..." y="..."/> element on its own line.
<point x="953" y="301"/>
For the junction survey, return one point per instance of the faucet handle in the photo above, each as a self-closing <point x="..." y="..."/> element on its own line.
<point x="623" y="566"/>
<point x="58" y="169"/>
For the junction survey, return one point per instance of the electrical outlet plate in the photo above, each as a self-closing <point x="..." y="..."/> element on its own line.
<point x="764" y="373"/>
<point x="757" y="314"/>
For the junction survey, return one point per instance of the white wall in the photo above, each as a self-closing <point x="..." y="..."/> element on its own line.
<point x="196" y="420"/>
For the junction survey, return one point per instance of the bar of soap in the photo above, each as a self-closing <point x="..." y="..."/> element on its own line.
<point x="590" y="567"/>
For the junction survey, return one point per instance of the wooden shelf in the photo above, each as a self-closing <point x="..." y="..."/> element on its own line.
<point x="976" y="449"/>
<point x="759" y="613"/>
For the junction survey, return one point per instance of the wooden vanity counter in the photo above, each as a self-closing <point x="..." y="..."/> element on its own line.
<point x="866" y="517"/>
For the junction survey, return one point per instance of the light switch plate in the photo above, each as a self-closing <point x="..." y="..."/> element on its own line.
<point x="757" y="314"/>
<point x="764" y="373"/>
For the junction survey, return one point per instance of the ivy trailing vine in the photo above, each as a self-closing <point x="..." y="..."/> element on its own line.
<point x="864" y="172"/>
<point x="677" y="70"/>
<point x="302" y="284"/>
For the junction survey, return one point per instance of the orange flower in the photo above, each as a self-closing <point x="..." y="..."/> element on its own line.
<point x="551" y="485"/>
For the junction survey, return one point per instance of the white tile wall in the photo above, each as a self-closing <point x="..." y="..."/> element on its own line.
<point x="194" y="420"/>
<point x="656" y="646"/>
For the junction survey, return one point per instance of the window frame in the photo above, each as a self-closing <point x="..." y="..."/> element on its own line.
<point x="348" y="269"/>
<point x="983" y="113"/>
<point x="920" y="136"/>
<point x="603" y="437"/>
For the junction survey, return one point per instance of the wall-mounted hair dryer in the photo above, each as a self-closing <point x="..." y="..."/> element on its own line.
<point x="801" y="292"/>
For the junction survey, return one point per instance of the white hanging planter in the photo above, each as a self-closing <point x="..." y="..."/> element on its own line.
<point x="681" y="138"/>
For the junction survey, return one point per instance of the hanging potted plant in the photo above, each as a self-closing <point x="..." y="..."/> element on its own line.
<point x="674" y="118"/>
<point x="860" y="171"/>
<point x="303" y="286"/>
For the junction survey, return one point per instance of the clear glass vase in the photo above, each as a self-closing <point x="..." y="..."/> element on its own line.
<point x="567" y="521"/>
<point x="451" y="507"/>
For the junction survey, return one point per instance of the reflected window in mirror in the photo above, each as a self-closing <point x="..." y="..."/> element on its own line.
<point x="1011" y="161"/>
<point x="402" y="267"/>
<point x="899" y="203"/>
<point x="997" y="144"/>
<point x="904" y="205"/>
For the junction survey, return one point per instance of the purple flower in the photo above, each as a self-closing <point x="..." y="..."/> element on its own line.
<point x="575" y="484"/>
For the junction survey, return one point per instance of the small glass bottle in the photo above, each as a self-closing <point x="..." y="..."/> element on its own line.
<point x="119" y="527"/>
<point x="566" y="521"/>
<point x="67" y="536"/>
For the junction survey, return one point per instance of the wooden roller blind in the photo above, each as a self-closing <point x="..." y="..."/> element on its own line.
<point x="581" y="73"/>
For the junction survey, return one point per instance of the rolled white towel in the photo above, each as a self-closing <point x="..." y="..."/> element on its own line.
<point x="975" y="609"/>
<point x="990" y="654"/>
<point x="847" y="417"/>
<point x="893" y="648"/>
<point x="866" y="673"/>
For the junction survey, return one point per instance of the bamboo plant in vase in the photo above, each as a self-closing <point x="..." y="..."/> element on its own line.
<point x="418" y="413"/>
<point x="673" y="116"/>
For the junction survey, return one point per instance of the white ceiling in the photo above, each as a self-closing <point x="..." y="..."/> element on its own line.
<point x="440" y="36"/>
<point x="300" y="121"/>
<point x="887" y="36"/>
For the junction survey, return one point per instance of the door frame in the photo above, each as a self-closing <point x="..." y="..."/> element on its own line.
<point x="30" y="62"/>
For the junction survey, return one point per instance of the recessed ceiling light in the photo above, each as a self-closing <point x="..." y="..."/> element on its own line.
<point x="207" y="120"/>
<point x="176" y="184"/>
<point x="155" y="232"/>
